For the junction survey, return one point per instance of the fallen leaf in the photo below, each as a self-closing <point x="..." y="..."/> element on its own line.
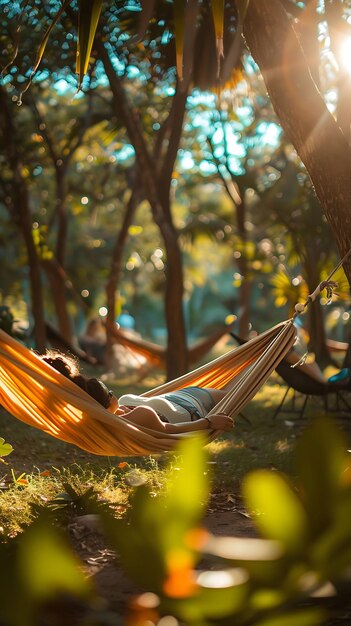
<point x="122" y="465"/>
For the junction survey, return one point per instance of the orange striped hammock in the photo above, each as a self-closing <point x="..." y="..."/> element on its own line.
<point x="35" y="393"/>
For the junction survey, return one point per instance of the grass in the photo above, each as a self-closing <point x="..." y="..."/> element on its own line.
<point x="64" y="487"/>
<point x="41" y="468"/>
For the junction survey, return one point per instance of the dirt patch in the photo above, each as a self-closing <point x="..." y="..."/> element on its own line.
<point x="35" y="451"/>
<point x="103" y="566"/>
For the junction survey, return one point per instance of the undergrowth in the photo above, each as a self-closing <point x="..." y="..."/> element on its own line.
<point x="41" y="468"/>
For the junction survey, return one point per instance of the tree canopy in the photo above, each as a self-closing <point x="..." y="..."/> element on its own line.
<point x="171" y="144"/>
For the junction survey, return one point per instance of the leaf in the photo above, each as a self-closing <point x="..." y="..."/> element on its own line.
<point x="179" y="26"/>
<point x="278" y="512"/>
<point x="182" y="493"/>
<point x="342" y="290"/>
<point x="89" y="14"/>
<point x="5" y="448"/>
<point x="321" y="462"/>
<point x="46" y="564"/>
<point x="218" y="18"/>
<point x="303" y="617"/>
<point x="220" y="594"/>
<point x="21" y="480"/>
<point x="157" y="533"/>
<point x="16" y="39"/>
<point x="42" y="47"/>
<point x="332" y="550"/>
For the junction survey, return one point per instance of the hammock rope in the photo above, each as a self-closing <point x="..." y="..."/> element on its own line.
<point x="35" y="393"/>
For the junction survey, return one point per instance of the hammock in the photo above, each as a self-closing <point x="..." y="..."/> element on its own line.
<point x="156" y="354"/>
<point x="35" y="393"/>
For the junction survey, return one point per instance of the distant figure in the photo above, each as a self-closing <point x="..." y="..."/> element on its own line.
<point x="126" y="320"/>
<point x="93" y="341"/>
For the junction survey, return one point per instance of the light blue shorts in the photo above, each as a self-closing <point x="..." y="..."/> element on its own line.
<point x="196" y="400"/>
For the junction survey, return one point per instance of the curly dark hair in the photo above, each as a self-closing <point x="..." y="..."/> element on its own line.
<point x="67" y="366"/>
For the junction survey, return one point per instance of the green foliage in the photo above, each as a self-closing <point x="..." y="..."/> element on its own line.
<point x="188" y="33"/>
<point x="282" y="518"/>
<point x="89" y="14"/>
<point x="7" y="323"/>
<point x="71" y="498"/>
<point x="157" y="527"/>
<point x="283" y="577"/>
<point x="5" y="448"/>
<point x="40" y="567"/>
<point x="46" y="563"/>
<point x="287" y="291"/>
<point x="258" y="581"/>
<point x="6" y="319"/>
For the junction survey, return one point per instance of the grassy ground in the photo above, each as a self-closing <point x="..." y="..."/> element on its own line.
<point x="41" y="468"/>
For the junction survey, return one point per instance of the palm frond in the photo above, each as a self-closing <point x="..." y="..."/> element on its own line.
<point x="89" y="14"/>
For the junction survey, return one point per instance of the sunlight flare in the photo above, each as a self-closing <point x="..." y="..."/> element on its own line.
<point x="345" y="54"/>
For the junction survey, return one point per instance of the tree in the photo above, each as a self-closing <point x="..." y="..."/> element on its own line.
<point x="277" y="44"/>
<point x="291" y="196"/>
<point x="320" y="141"/>
<point x="155" y="168"/>
<point x="316" y="135"/>
<point x="61" y="152"/>
<point x="18" y="204"/>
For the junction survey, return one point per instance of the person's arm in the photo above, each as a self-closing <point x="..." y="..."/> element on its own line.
<point x="219" y="421"/>
<point x="147" y="417"/>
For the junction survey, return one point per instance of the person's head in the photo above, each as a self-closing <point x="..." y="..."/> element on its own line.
<point x="93" y="386"/>
<point x="94" y="327"/>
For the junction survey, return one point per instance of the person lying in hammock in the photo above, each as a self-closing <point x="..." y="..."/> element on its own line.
<point x="184" y="410"/>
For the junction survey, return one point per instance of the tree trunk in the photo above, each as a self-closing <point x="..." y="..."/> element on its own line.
<point x="37" y="305"/>
<point x="338" y="32"/>
<point x="174" y="300"/>
<point x="242" y="263"/>
<point x="316" y="327"/>
<point x="316" y="136"/>
<point x="317" y="343"/>
<point x="148" y="167"/>
<point x="307" y="30"/>
<point x="115" y="270"/>
<point x="57" y="279"/>
<point x="57" y="282"/>
<point x="60" y="160"/>
<point x="22" y="216"/>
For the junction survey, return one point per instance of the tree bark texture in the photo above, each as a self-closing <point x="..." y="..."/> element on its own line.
<point x="316" y="136"/>
<point x="339" y="31"/>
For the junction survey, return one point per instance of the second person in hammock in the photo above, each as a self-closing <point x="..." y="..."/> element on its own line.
<point x="184" y="410"/>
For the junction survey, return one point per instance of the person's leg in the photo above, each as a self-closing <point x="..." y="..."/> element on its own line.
<point x="216" y="394"/>
<point x="145" y="416"/>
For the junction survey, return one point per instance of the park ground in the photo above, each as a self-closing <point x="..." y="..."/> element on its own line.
<point x="40" y="468"/>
